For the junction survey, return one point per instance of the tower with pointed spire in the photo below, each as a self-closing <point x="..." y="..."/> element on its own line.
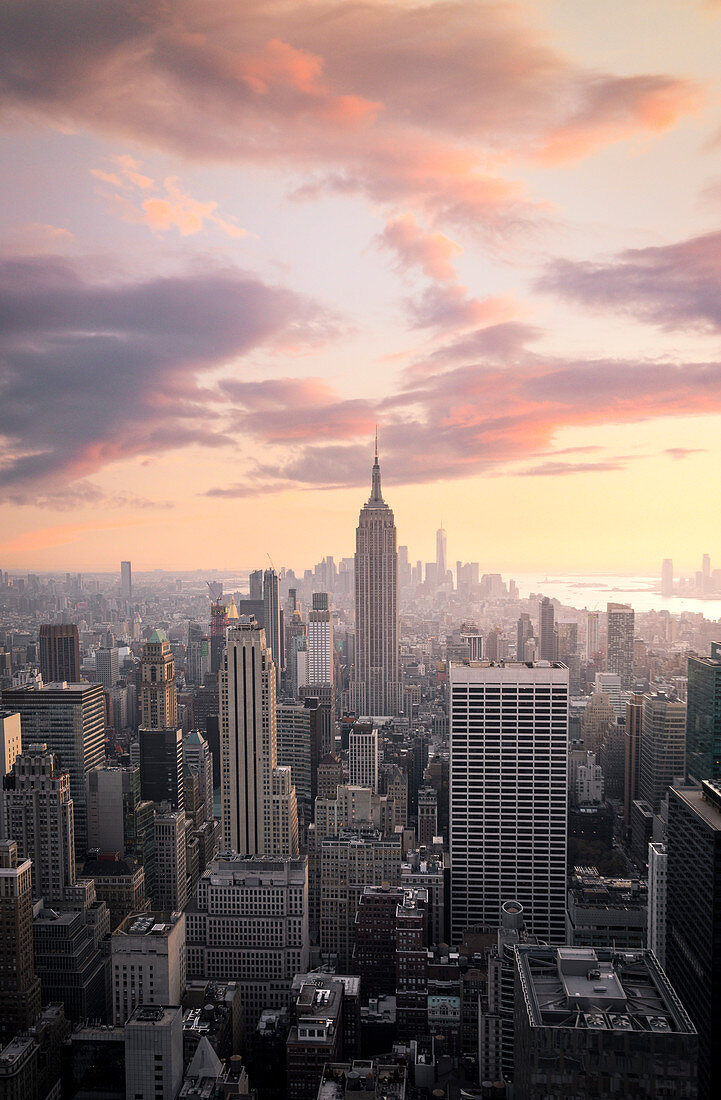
<point x="376" y="688"/>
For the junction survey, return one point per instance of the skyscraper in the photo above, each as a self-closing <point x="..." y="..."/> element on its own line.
<point x="159" y="693"/>
<point x="59" y="653"/>
<point x="161" y="766"/>
<point x="19" y="987"/>
<point x="508" y="794"/>
<point x="272" y="619"/>
<point x="39" y="816"/>
<point x="620" y="620"/>
<point x="546" y="631"/>
<point x="107" y="666"/>
<point x="70" y="719"/>
<point x="376" y="688"/>
<point x="703" y="719"/>
<point x="320" y="642"/>
<point x="667" y="577"/>
<point x="663" y="745"/>
<point x="592" y="638"/>
<point x="126" y="580"/>
<point x="259" y="809"/>
<point x="441" y="564"/>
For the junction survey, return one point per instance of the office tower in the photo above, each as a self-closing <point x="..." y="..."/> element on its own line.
<point x="330" y="776"/>
<point x="10" y="748"/>
<point x="316" y="1037"/>
<point x="619" y="654"/>
<point x="663" y="745"/>
<point x="161" y="766"/>
<point x="441" y="565"/>
<point x="118" y="818"/>
<point x="69" y="961"/>
<point x="610" y="684"/>
<point x="70" y="720"/>
<point x="546" y="631"/>
<point x="657" y="884"/>
<point x="218" y="624"/>
<point x="258" y="801"/>
<point x="19" y="987"/>
<point x="197" y="755"/>
<point x="272" y="619"/>
<point x="606" y="912"/>
<point x="703" y="718"/>
<point x="320" y="643"/>
<point x="159" y="693"/>
<point x="39" y="816"/>
<point x="299" y="743"/>
<point x="363" y="756"/>
<point x="496" y="1009"/>
<point x="147" y="962"/>
<point x="126" y="580"/>
<point x="667" y="577"/>
<point x="255" y="582"/>
<point x="706" y="568"/>
<point x="376" y="688"/>
<point x="107" y="667"/>
<point x="508" y="794"/>
<point x="171" y="888"/>
<point x="349" y="863"/>
<point x="524" y="633"/>
<point x="592" y="633"/>
<point x="586" y="1014"/>
<point x="248" y="912"/>
<point x="427" y="815"/>
<point x="154" y="1053"/>
<point x="59" y="653"/>
<point x="693" y="914"/>
<point x="632" y="756"/>
<point x="197" y="656"/>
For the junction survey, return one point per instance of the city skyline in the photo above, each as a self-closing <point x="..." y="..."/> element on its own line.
<point x="515" y="279"/>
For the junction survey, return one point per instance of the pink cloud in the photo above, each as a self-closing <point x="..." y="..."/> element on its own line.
<point x="427" y="106"/>
<point x="434" y="253"/>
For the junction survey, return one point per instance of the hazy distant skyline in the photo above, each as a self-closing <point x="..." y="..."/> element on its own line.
<point x="236" y="237"/>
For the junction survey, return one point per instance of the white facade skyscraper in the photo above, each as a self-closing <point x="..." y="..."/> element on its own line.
<point x="258" y="800"/>
<point x="508" y="794"/>
<point x="320" y="643"/>
<point x="620" y="620"/>
<point x="441" y="564"/>
<point x="376" y="688"/>
<point x="363" y="756"/>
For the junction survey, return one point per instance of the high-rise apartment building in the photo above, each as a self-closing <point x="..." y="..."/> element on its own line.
<point x="693" y="915"/>
<point x="59" y="653"/>
<point x="546" y="630"/>
<point x="508" y="794"/>
<point x="39" y="816"/>
<point x="376" y="688"/>
<point x="70" y="720"/>
<point x="593" y="641"/>
<point x="126" y="580"/>
<point x="259" y="809"/>
<point x="19" y="987"/>
<point x="159" y="693"/>
<point x="703" y="717"/>
<point x="663" y="745"/>
<point x="619" y="655"/>
<point x="667" y="577"/>
<point x="363" y="755"/>
<point x="249" y="922"/>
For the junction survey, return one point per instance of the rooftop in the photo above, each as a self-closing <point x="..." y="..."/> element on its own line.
<point x="598" y="988"/>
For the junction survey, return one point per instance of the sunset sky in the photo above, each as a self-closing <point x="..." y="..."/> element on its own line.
<point x="238" y="234"/>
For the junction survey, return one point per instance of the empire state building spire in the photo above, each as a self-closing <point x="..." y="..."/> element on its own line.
<point x="376" y="496"/>
<point x="376" y="688"/>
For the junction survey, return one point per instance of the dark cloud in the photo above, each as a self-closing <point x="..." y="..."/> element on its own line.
<point x="673" y="286"/>
<point x="95" y="369"/>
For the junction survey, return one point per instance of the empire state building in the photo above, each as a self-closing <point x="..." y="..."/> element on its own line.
<point x="377" y="687"/>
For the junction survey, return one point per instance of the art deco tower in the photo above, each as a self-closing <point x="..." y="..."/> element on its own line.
<point x="376" y="689"/>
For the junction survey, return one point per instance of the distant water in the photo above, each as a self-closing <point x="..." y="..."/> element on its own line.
<point x="594" y="590"/>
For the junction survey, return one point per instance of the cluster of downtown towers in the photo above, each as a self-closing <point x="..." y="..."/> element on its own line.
<point x="508" y="794"/>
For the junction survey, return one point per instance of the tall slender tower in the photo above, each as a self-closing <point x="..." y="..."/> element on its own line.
<point x="441" y="554"/>
<point x="377" y="688"/>
<point x="620" y="618"/>
<point x="259" y="811"/>
<point x="159" y="697"/>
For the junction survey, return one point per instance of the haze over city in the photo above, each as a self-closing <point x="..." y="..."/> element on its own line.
<point x="231" y="247"/>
